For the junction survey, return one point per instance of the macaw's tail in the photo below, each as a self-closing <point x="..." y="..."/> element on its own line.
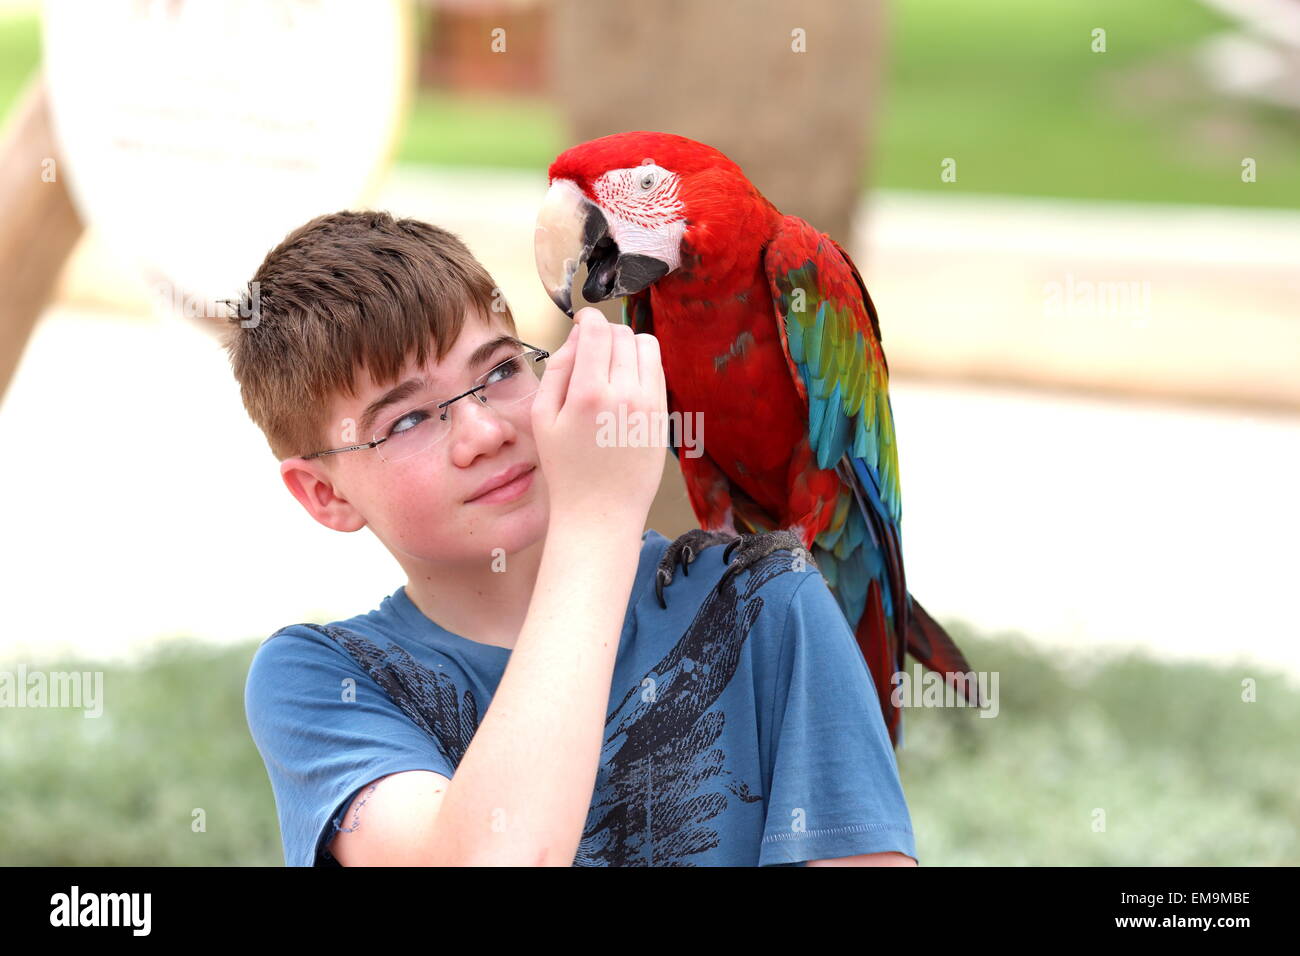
<point x="879" y="645"/>
<point x="927" y="641"/>
<point x="930" y="644"/>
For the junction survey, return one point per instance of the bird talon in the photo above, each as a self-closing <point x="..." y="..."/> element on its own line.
<point x="687" y="557"/>
<point x="660" y="575"/>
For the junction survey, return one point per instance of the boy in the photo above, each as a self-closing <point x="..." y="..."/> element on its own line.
<point x="523" y="698"/>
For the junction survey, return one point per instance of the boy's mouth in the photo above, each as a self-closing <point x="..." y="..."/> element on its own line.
<point x="501" y="479"/>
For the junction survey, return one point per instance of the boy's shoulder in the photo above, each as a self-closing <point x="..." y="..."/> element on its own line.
<point x="294" y="660"/>
<point x="386" y="621"/>
<point x="307" y="639"/>
<point x="309" y="650"/>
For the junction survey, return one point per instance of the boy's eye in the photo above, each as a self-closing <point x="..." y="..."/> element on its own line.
<point x="504" y="370"/>
<point x="407" y="422"/>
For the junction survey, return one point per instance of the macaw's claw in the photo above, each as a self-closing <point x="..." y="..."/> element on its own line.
<point x="752" y="548"/>
<point x="683" y="551"/>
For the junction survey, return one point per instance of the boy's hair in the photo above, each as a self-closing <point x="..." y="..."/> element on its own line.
<point x="347" y="291"/>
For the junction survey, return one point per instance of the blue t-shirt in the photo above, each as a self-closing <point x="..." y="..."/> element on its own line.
<point x="743" y="728"/>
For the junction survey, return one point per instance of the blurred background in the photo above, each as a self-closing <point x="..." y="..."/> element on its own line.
<point x="1080" y="224"/>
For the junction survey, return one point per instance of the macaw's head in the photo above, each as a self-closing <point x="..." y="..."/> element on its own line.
<point x="624" y="204"/>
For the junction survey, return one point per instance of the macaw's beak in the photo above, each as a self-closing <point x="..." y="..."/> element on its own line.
<point x="571" y="230"/>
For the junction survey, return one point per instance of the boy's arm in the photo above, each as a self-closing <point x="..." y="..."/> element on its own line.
<point x="867" y="859"/>
<point x="326" y="730"/>
<point x="399" y="811"/>
<point x="522" y="791"/>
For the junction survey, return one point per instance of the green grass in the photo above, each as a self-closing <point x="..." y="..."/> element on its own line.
<point x="1015" y="94"/>
<point x="1185" y="771"/>
<point x="490" y="131"/>
<point x="1012" y="91"/>
<point x="20" y="52"/>
<point x="121" y="789"/>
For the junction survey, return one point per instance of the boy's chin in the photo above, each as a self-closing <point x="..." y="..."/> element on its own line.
<point x="515" y="530"/>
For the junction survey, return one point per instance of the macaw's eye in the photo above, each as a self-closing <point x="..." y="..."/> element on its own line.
<point x="648" y="181"/>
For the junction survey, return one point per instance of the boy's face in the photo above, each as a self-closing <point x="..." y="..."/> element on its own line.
<point x="419" y="506"/>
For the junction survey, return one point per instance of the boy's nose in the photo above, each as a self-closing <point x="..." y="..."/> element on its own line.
<point x="472" y="416"/>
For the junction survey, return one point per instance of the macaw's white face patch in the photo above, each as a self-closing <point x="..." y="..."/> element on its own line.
<point x="644" y="211"/>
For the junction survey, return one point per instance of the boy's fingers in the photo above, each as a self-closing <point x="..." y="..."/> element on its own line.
<point x="555" y="379"/>
<point x="623" y="368"/>
<point x="649" y="362"/>
<point x="592" y="361"/>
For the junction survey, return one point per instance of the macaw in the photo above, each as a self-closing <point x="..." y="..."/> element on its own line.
<point x="765" y="326"/>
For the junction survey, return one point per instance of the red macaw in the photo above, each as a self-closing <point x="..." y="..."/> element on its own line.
<point x="765" y="326"/>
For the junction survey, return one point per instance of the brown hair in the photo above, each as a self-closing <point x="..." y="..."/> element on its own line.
<point x="345" y="292"/>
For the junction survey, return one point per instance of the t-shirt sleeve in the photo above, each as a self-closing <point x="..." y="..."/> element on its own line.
<point x="325" y="730"/>
<point x="835" y="789"/>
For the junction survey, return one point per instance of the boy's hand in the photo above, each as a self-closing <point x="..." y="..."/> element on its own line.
<point x="599" y="368"/>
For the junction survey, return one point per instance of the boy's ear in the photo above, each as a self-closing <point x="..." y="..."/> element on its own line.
<point x="313" y="486"/>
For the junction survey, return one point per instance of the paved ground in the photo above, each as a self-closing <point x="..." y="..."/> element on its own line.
<point x="144" y="505"/>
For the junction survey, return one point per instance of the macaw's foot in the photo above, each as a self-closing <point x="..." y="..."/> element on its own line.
<point x="751" y="548"/>
<point x="683" y="551"/>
